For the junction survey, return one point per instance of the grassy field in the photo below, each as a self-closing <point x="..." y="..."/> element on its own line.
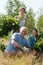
<point x="21" y="59"/>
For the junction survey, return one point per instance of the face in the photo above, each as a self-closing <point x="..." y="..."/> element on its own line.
<point x="22" y="12"/>
<point x="23" y="33"/>
<point x="34" y="33"/>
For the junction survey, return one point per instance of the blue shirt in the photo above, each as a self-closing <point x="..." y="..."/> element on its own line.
<point x="32" y="40"/>
<point x="21" y="41"/>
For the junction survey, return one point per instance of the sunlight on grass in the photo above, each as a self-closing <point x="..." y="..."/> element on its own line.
<point x="22" y="59"/>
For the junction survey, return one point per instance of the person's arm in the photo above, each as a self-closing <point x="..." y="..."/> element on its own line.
<point x="15" y="44"/>
<point x="32" y="40"/>
<point x="14" y="41"/>
<point x="28" y="45"/>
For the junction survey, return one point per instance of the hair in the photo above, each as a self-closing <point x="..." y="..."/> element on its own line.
<point x="36" y="32"/>
<point x="22" y="28"/>
<point x="23" y="9"/>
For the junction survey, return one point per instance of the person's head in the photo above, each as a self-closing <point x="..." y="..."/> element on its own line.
<point x="22" y="11"/>
<point x="23" y="31"/>
<point x="35" y="32"/>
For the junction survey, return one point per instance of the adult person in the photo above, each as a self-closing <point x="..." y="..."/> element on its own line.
<point x="32" y="38"/>
<point x="21" y="16"/>
<point x="17" y="42"/>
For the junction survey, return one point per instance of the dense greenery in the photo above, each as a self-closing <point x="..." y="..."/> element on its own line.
<point x="38" y="46"/>
<point x="30" y="22"/>
<point x="13" y="6"/>
<point x="9" y="24"/>
<point x="40" y="23"/>
<point x="2" y="47"/>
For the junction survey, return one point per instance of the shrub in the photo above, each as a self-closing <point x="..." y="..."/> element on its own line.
<point x="2" y="47"/>
<point x="9" y="23"/>
<point x="39" y="45"/>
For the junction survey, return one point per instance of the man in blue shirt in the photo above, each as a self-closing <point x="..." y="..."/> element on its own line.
<point x="17" y="41"/>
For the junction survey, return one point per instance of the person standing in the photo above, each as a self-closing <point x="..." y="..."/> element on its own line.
<point x="22" y="16"/>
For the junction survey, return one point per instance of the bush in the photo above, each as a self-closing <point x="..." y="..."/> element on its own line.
<point x="2" y="47"/>
<point x="9" y="23"/>
<point x="39" y="45"/>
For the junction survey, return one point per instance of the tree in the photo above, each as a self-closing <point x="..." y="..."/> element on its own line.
<point x="13" y="7"/>
<point x="30" y="20"/>
<point x="1" y="22"/>
<point x="40" y="21"/>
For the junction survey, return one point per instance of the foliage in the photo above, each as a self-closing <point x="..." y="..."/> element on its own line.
<point x="2" y="47"/>
<point x="38" y="46"/>
<point x="9" y="23"/>
<point x="30" y="20"/>
<point x="13" y="6"/>
<point x="40" y="23"/>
